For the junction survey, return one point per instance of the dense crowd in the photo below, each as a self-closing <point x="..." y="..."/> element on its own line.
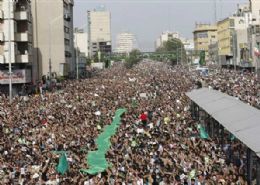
<point x="163" y="148"/>
<point x="242" y="85"/>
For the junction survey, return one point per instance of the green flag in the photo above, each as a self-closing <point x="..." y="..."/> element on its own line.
<point x="203" y="132"/>
<point x="202" y="58"/>
<point x="63" y="165"/>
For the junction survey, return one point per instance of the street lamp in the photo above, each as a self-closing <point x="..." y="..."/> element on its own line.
<point x="10" y="48"/>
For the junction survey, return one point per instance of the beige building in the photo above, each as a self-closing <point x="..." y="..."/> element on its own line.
<point x="232" y="35"/>
<point x="53" y="37"/>
<point x="204" y="35"/>
<point x="20" y="31"/>
<point x="99" y="30"/>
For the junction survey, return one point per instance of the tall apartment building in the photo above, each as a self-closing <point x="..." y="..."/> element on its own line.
<point x="165" y="36"/>
<point x="99" y="30"/>
<point x="125" y="43"/>
<point x="20" y="31"/>
<point x="81" y="49"/>
<point x="53" y="37"/>
<point x="204" y="35"/>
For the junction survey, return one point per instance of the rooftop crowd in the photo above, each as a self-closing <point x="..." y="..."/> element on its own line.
<point x="162" y="148"/>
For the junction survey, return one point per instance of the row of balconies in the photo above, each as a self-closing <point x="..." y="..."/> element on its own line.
<point x="19" y="37"/>
<point x="19" y="16"/>
<point x="19" y="58"/>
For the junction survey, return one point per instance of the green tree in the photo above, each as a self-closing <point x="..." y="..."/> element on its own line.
<point x="173" y="50"/>
<point x="133" y="59"/>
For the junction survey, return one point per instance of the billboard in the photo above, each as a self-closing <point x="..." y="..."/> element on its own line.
<point x="19" y="76"/>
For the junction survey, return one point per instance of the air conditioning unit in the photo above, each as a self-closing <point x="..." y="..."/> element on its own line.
<point x="67" y="17"/>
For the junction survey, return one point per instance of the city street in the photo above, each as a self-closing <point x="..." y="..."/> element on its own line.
<point x="164" y="147"/>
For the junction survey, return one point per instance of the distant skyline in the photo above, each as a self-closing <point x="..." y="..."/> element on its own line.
<point x="147" y="19"/>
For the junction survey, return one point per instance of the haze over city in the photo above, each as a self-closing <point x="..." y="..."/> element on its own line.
<point x="149" y="18"/>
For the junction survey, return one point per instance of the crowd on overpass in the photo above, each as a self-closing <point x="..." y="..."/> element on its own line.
<point x="164" y="148"/>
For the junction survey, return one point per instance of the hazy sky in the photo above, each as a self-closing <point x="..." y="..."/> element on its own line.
<point x="147" y="19"/>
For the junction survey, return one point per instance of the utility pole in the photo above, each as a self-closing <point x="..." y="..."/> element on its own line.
<point x="77" y="56"/>
<point x="177" y="57"/>
<point x="50" y="50"/>
<point x="9" y="52"/>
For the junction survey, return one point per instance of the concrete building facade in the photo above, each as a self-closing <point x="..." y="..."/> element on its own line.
<point x="204" y="35"/>
<point x="164" y="37"/>
<point x="232" y="37"/>
<point x="125" y="42"/>
<point x="21" y="42"/>
<point x="99" y="31"/>
<point x="53" y="37"/>
<point x="81" y="50"/>
<point x="254" y="35"/>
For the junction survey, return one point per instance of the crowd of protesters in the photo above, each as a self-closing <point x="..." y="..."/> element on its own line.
<point x="240" y="84"/>
<point x="157" y="143"/>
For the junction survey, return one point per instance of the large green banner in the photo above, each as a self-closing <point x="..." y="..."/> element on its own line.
<point x="96" y="160"/>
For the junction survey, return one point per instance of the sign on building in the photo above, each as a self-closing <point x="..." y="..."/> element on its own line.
<point x="18" y="76"/>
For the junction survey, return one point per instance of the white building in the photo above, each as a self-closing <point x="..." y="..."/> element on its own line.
<point x="81" y="41"/>
<point x="165" y="36"/>
<point x="81" y="50"/>
<point x="188" y="44"/>
<point x="125" y="43"/>
<point x="21" y="42"/>
<point x="99" y="30"/>
<point x="255" y="7"/>
<point x="53" y="37"/>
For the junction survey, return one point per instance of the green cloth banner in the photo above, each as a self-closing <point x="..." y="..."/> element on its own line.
<point x="96" y="160"/>
<point x="203" y="133"/>
<point x="63" y="165"/>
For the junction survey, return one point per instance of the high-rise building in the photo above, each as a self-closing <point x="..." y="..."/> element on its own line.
<point x="81" y="49"/>
<point x="81" y="41"/>
<point x="19" y="27"/>
<point x="99" y="30"/>
<point x="255" y="7"/>
<point x="165" y="36"/>
<point x="53" y="37"/>
<point x="125" y="43"/>
<point x="204" y="35"/>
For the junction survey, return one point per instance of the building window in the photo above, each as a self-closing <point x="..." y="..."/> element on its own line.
<point x="202" y="35"/>
<point x="67" y="42"/>
<point x="232" y="22"/>
<point x="66" y="29"/>
<point x="66" y="6"/>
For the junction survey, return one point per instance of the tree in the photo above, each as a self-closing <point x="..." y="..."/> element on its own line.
<point x="133" y="59"/>
<point x="175" y="51"/>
